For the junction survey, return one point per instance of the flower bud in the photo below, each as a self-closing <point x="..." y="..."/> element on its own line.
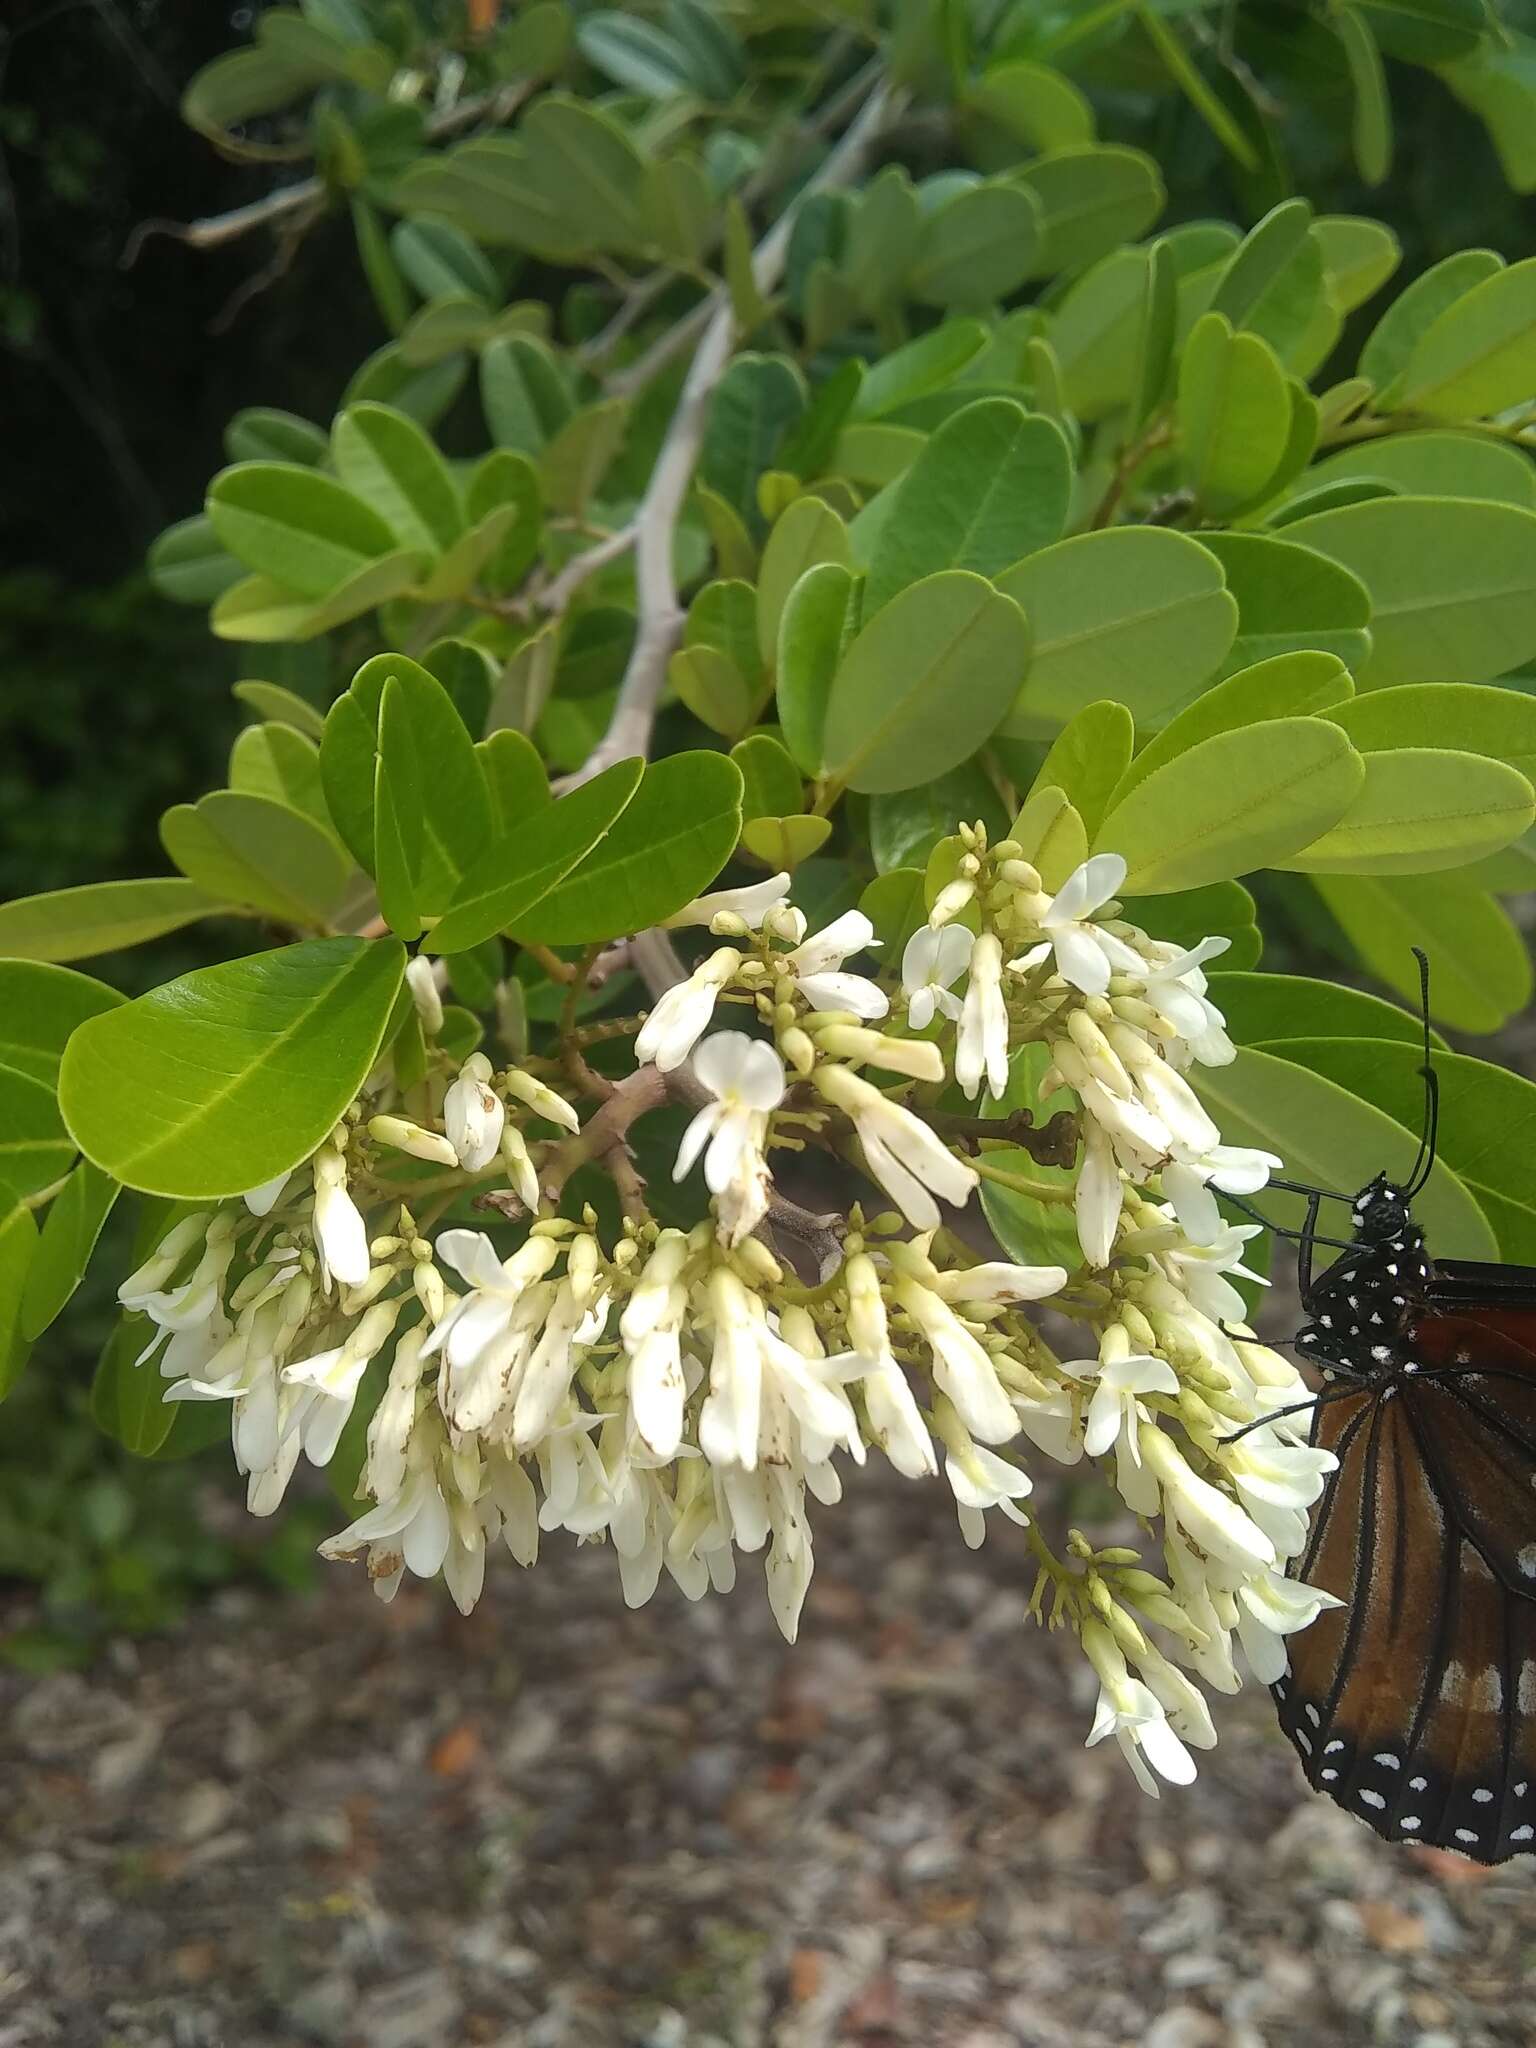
<point x="918" y="1057"/>
<point x="542" y="1101"/>
<point x="429" y="1004"/>
<point x="405" y="1136"/>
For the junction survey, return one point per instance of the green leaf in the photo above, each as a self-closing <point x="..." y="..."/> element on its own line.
<point x="1452" y="584"/>
<point x="392" y="465"/>
<point x="1487" y="1114"/>
<point x="101" y="917"/>
<point x="1436" y="464"/>
<point x="1358" y="257"/>
<point x="756" y="403"/>
<point x="1273" y="280"/>
<point x="74" y="1221"/>
<point x="128" y="1399"/>
<point x="896" y="904"/>
<point x="583" y="166"/>
<point x="1233" y="803"/>
<point x="1112" y="333"/>
<point x="713" y="688"/>
<point x="18" y="1246"/>
<point x="295" y="525"/>
<point x="668" y="845"/>
<point x="1372" y="131"/>
<point x="455" y="806"/>
<point x="40" y="1005"/>
<point x="1265" y="1010"/>
<point x="1332" y="1139"/>
<point x="1499" y="724"/>
<point x="229" y="1075"/>
<point x="1235" y="413"/>
<point x="35" y="1150"/>
<point x="1291" y="598"/>
<point x="1286" y="686"/>
<point x="260" y="433"/>
<point x="440" y="261"/>
<point x="1029" y="1230"/>
<point x="636" y="55"/>
<point x="976" y="248"/>
<point x="259" y="609"/>
<point x="1482" y="970"/>
<point x="248" y="849"/>
<point x="1038" y="106"/>
<point x="515" y="776"/>
<point x="1414" y="311"/>
<point x="991" y="486"/>
<point x="397" y="815"/>
<point x="276" y="762"/>
<point x="1420" y="809"/>
<point x="188" y="563"/>
<point x="679" y="209"/>
<point x="1196" y="88"/>
<point x="519" y="869"/>
<point x="883" y="225"/>
<point x="1479" y="355"/>
<point x="1088" y="759"/>
<point x="770" y="781"/>
<point x="390" y="377"/>
<point x="523" y="392"/>
<point x="506" y="479"/>
<point x="924" y="683"/>
<point x="1139" y="614"/>
<point x="1499" y="86"/>
<point x="905" y="825"/>
<point x="1091" y="199"/>
<point x="816" y="629"/>
<point x="785" y="843"/>
<point x="806" y="533"/>
<point x="930" y="363"/>
<point x="576" y="458"/>
<point x="1220" y="910"/>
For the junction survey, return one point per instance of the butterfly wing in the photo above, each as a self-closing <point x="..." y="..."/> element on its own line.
<point x="1414" y="1705"/>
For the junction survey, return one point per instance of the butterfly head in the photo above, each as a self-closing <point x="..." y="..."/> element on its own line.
<point x="1380" y="1213"/>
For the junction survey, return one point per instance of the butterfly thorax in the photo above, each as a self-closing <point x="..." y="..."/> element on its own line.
<point x="1361" y="1310"/>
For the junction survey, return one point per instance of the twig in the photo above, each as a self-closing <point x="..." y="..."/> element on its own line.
<point x="214" y="230"/>
<point x="1053" y="1143"/>
<point x="660" y="617"/>
<point x="557" y="594"/>
<point x="603" y="1138"/>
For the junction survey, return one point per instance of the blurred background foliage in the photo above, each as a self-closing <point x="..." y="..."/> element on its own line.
<point x="118" y="380"/>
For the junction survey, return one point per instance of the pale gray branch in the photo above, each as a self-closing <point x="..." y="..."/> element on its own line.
<point x="660" y="618"/>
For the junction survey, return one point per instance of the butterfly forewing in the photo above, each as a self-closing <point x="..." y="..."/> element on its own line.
<point x="1414" y="1705"/>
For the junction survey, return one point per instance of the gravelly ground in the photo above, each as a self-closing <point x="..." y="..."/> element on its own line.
<point x="325" y="1821"/>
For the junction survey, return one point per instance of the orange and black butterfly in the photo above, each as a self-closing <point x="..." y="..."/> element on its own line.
<point x="1414" y="1703"/>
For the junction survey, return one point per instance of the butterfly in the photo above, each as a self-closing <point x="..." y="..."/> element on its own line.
<point x="1413" y="1704"/>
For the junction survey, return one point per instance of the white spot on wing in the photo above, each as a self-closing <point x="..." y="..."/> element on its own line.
<point x="1466" y="1834"/>
<point x="1368" y="1798"/>
<point x="1386" y="1758"/>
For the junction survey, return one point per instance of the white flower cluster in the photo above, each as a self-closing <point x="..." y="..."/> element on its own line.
<point x="681" y="1393"/>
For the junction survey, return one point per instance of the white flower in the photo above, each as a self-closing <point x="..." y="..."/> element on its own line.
<point x="1133" y="1714"/>
<point x="746" y="1078"/>
<point x="1199" y="1270"/>
<point x="575" y="1321"/>
<point x="1099" y="1195"/>
<point x="422" y="982"/>
<point x="389" y="1433"/>
<point x="1188" y="1180"/>
<point x="681" y="1016"/>
<point x="1269" y="1608"/>
<point x="412" y="1522"/>
<point x="901" y="1151"/>
<point x="263" y="1200"/>
<point x="1176" y="989"/>
<point x="340" y="1234"/>
<point x="1086" y="955"/>
<point x="980" y="1479"/>
<point x="1211" y="1520"/>
<point x="650" y="1330"/>
<point x="1277" y="1483"/>
<point x="751" y="904"/>
<point x="542" y="1101"/>
<point x="998" y="1280"/>
<point x="1114" y="1412"/>
<point x="474" y="1114"/>
<point x="751" y="1367"/>
<point x="981" y="1049"/>
<point x="334" y="1376"/>
<point x="931" y="964"/>
<point x="487" y="1336"/>
<point x="814" y="961"/>
<point x="918" y="1058"/>
<point x="962" y="1367"/>
<point x="1164" y="1093"/>
<point x="895" y="1420"/>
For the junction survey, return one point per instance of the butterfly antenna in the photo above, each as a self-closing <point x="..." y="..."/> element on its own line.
<point x="1424" y="1165"/>
<point x="1313" y="1401"/>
